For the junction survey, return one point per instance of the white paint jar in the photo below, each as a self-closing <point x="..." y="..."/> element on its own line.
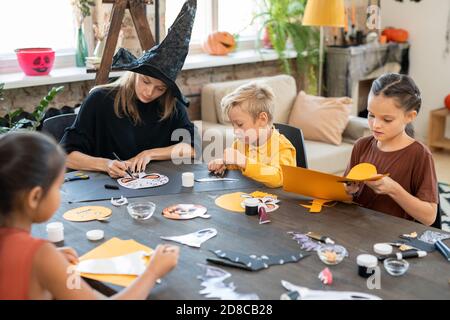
<point x="55" y="231"/>
<point x="187" y="179"/>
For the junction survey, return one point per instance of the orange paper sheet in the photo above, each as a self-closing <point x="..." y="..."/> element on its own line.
<point x="113" y="248"/>
<point x="324" y="187"/>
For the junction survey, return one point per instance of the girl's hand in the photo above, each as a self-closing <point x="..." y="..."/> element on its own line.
<point x="140" y="162"/>
<point x="233" y="156"/>
<point x="217" y="166"/>
<point x="352" y="187"/>
<point x="383" y="186"/>
<point x="70" y="254"/>
<point x="163" y="260"/>
<point x="116" y="169"/>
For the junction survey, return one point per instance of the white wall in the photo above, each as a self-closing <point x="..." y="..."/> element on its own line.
<point x="426" y="22"/>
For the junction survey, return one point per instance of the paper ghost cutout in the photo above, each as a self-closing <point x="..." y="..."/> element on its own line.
<point x="303" y="293"/>
<point x="324" y="187"/>
<point x="194" y="239"/>
<point x="253" y="262"/>
<point x="129" y="264"/>
<point x="213" y="281"/>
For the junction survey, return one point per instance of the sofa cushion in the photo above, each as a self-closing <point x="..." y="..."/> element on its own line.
<point x="321" y="119"/>
<point x="328" y="158"/>
<point x="284" y="87"/>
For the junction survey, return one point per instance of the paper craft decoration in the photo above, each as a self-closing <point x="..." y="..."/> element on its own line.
<point x="252" y="262"/>
<point x="113" y="248"/>
<point x="263" y="216"/>
<point x="87" y="213"/>
<point x="431" y="237"/>
<point x="185" y="211"/>
<point x="119" y="202"/>
<point x="303" y="293"/>
<point x="305" y="242"/>
<point x="324" y="187"/>
<point x="194" y="239"/>
<point x="213" y="281"/>
<point x="129" y="264"/>
<point x="235" y="201"/>
<point x="145" y="180"/>
<point x="326" y="276"/>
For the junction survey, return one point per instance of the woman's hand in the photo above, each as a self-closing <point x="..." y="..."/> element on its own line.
<point x="163" y="260"/>
<point x="116" y="169"/>
<point x="140" y="162"/>
<point x="383" y="186"/>
<point x="217" y="166"/>
<point x="70" y="254"/>
<point x="233" y="156"/>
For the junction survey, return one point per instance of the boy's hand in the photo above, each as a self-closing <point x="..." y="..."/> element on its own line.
<point x="163" y="260"/>
<point x="70" y="254"/>
<point x="217" y="166"/>
<point x="233" y="156"/>
<point x="383" y="186"/>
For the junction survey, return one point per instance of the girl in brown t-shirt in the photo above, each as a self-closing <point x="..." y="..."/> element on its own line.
<point x="410" y="191"/>
<point x="31" y="174"/>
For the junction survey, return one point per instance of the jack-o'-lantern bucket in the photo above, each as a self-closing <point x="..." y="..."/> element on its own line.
<point x="36" y="61"/>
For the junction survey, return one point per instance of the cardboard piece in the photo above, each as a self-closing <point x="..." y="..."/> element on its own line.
<point x="113" y="248"/>
<point x="87" y="213"/>
<point x="325" y="187"/>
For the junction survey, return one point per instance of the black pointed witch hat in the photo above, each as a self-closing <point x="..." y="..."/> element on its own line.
<point x="164" y="61"/>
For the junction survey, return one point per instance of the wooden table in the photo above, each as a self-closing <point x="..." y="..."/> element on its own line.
<point x="355" y="228"/>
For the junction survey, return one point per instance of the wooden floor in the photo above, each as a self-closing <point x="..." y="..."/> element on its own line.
<point x="442" y="163"/>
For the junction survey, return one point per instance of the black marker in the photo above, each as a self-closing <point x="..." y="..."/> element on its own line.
<point x="111" y="186"/>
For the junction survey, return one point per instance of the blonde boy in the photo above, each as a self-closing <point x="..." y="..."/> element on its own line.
<point x="259" y="150"/>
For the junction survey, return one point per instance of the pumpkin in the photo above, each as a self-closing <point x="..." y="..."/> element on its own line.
<point x="447" y="102"/>
<point x="219" y="43"/>
<point x="396" y="35"/>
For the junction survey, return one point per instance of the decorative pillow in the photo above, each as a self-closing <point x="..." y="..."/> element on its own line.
<point x="321" y="119"/>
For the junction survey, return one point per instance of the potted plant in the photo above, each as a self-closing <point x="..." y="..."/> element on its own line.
<point x="282" y="20"/>
<point x="18" y="119"/>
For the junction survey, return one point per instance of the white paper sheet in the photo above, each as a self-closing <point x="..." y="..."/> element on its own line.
<point x="130" y="264"/>
<point x="194" y="239"/>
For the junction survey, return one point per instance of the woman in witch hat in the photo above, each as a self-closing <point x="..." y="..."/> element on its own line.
<point x="135" y="116"/>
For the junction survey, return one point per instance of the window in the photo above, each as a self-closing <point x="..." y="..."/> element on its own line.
<point x="233" y="16"/>
<point x="44" y="23"/>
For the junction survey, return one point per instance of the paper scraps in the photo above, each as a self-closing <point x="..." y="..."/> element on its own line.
<point x="326" y="276"/>
<point x="88" y="213"/>
<point x="431" y="237"/>
<point x="252" y="262"/>
<point x="411" y="235"/>
<point x="303" y="293"/>
<point x="145" y="180"/>
<point x="119" y="202"/>
<point x="263" y="216"/>
<point x="194" y="239"/>
<point x="305" y="242"/>
<point x="185" y="211"/>
<point x="214" y="287"/>
<point x="317" y="204"/>
<point x="129" y="264"/>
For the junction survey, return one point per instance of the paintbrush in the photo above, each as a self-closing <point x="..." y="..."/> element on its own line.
<point x="126" y="170"/>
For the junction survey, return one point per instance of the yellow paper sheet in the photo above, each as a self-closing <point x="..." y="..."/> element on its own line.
<point x="113" y="248"/>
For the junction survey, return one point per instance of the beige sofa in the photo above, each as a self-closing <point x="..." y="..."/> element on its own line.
<point x="321" y="156"/>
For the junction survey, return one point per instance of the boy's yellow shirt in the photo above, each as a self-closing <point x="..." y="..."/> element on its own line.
<point x="264" y="162"/>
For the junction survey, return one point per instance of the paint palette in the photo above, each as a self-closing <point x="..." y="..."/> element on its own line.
<point x="145" y="180"/>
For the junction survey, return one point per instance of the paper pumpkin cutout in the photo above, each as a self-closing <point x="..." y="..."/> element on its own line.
<point x="145" y="180"/>
<point x="129" y="264"/>
<point x="87" y="213"/>
<point x="113" y="248"/>
<point x="194" y="239"/>
<point x="324" y="187"/>
<point x="235" y="201"/>
<point x="185" y="211"/>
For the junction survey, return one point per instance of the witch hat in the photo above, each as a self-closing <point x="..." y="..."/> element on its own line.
<point x="165" y="60"/>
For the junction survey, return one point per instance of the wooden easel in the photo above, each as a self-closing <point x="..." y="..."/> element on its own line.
<point x="138" y="14"/>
